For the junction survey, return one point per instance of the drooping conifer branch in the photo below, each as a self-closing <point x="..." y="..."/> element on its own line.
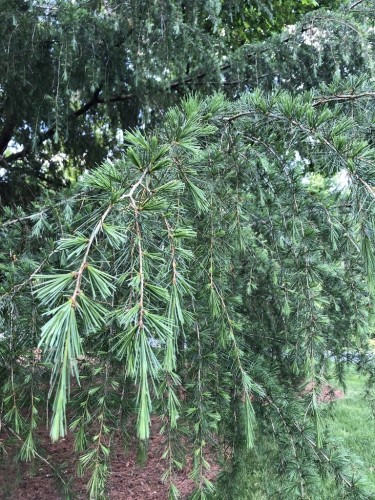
<point x="215" y="258"/>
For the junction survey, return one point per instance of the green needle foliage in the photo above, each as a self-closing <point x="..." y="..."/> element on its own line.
<point x="204" y="279"/>
<point x="91" y="69"/>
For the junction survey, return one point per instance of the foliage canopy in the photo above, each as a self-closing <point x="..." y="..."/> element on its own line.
<point x="87" y="70"/>
<point x="206" y="276"/>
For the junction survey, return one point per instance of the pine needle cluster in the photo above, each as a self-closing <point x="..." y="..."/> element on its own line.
<point x="205" y="278"/>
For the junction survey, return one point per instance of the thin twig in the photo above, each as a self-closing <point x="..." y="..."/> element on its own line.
<point x="35" y="215"/>
<point x="318" y="101"/>
<point x="40" y="457"/>
<point x="355" y="4"/>
<point x="97" y="228"/>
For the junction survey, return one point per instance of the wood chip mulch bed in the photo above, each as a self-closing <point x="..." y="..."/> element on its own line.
<point x="127" y="480"/>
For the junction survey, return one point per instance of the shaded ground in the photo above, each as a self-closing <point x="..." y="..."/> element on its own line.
<point x="326" y="393"/>
<point x="127" y="481"/>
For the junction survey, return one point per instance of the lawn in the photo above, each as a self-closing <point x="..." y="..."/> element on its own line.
<point x="354" y="425"/>
<point x="349" y="420"/>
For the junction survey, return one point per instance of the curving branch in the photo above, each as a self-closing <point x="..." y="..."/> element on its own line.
<point x="351" y="7"/>
<point x="190" y="79"/>
<point x="78" y="275"/>
<point x="318" y="101"/>
<point x="95" y="99"/>
<point x="6" y="134"/>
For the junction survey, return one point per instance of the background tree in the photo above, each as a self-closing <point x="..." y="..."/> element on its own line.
<point x="75" y="75"/>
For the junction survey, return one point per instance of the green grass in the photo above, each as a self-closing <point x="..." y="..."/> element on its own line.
<point x="354" y="425"/>
<point x="350" y="421"/>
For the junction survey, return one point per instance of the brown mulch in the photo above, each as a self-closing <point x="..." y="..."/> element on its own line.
<point x="326" y="393"/>
<point x="127" y="480"/>
<point x="329" y="394"/>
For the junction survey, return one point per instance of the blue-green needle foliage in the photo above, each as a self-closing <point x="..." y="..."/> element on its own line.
<point x="204" y="279"/>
